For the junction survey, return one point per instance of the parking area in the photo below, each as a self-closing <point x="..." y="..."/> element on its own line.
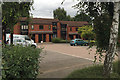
<point x="64" y="48"/>
<point x="59" y="60"/>
<point x="57" y="65"/>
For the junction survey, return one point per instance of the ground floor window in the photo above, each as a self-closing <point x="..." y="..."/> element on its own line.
<point x="44" y="37"/>
<point x="49" y="37"/>
<point x="39" y="38"/>
<point x="71" y="37"/>
<point x="54" y="35"/>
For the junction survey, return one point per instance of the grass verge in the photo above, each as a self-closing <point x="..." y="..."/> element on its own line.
<point x="94" y="72"/>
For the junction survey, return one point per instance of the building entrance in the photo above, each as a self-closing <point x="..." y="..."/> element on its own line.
<point x="49" y="37"/>
<point x="44" y="37"/>
<point x="40" y="38"/>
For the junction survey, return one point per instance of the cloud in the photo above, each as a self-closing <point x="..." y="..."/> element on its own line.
<point x="44" y="8"/>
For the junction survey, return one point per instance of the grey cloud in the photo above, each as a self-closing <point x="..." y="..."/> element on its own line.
<point x="44" y="8"/>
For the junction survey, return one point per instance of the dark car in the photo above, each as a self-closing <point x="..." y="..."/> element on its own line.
<point x="78" y="42"/>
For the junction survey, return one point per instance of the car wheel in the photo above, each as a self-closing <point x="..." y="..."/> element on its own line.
<point x="86" y="44"/>
<point x="71" y="44"/>
<point x="75" y="44"/>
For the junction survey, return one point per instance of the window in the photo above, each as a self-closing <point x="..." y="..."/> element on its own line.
<point x="18" y="40"/>
<point x="54" y="35"/>
<point x="80" y="40"/>
<point x="70" y="28"/>
<point x="76" y="29"/>
<point x="24" y="27"/>
<point x="54" y="23"/>
<point x="32" y="27"/>
<point x="49" y="27"/>
<point x="54" y="27"/>
<point x="41" y="27"/>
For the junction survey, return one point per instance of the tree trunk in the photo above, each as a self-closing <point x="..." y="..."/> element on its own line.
<point x="11" y="40"/>
<point x="4" y="34"/>
<point x="113" y="41"/>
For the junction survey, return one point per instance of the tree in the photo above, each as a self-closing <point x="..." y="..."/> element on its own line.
<point x="82" y="17"/>
<point x="102" y="30"/>
<point x="95" y="10"/>
<point x="86" y="32"/>
<point x="69" y="18"/>
<point x="61" y="14"/>
<point x="12" y="11"/>
<point x="113" y="40"/>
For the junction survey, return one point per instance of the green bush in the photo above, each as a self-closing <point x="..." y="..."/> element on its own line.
<point x="56" y="40"/>
<point x="64" y="41"/>
<point x="20" y="62"/>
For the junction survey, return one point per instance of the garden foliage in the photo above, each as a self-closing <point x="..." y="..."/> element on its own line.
<point x="86" y="32"/>
<point x="59" y="40"/>
<point x="20" y="62"/>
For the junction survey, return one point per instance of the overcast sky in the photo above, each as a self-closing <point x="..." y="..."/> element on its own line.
<point x="44" y="8"/>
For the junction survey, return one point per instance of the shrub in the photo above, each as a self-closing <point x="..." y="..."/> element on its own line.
<point x="64" y="41"/>
<point x="56" y="40"/>
<point x="20" y="62"/>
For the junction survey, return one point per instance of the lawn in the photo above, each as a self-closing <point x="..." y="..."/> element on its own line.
<point x="94" y="72"/>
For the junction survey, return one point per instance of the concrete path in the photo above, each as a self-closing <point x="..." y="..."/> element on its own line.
<point x="57" y="65"/>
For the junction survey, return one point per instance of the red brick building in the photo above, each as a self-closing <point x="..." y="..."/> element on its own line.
<point x="41" y="29"/>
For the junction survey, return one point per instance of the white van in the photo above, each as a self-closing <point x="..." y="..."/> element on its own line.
<point x="25" y="37"/>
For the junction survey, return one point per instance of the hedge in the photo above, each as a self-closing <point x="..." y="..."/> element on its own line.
<point x="20" y="62"/>
<point x="58" y="40"/>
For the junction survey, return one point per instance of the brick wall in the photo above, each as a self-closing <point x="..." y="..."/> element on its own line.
<point x="36" y="28"/>
<point x="36" y="38"/>
<point x="47" y="37"/>
<point x="17" y="29"/>
<point x="68" y="30"/>
<point x="58" y="30"/>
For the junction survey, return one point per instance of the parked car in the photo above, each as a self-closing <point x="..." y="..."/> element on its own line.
<point x="20" y="41"/>
<point x="78" y="42"/>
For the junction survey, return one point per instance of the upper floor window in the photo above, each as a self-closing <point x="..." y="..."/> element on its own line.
<point x="41" y="27"/>
<point x="24" y="27"/>
<point x="32" y="27"/>
<point x="54" y="27"/>
<point x="70" y="28"/>
<point x="54" y="23"/>
<point x="76" y="29"/>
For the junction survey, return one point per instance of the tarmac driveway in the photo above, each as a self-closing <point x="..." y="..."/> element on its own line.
<point x="76" y="51"/>
<point x="57" y="65"/>
<point x="59" y="60"/>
